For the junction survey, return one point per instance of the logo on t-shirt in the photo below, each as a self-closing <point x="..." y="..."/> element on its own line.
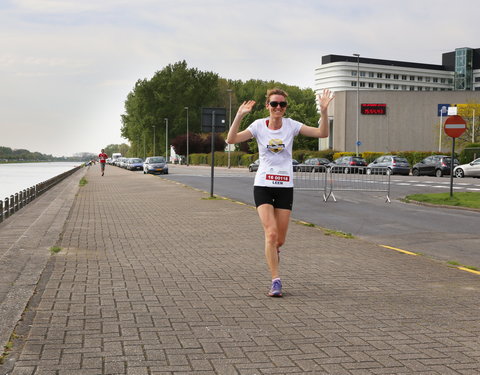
<point x="275" y="146"/>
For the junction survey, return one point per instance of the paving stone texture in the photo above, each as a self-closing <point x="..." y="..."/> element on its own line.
<point x="154" y="278"/>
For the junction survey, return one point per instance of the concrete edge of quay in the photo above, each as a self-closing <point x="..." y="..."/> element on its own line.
<point x="36" y="227"/>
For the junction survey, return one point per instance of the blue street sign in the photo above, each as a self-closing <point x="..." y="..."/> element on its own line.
<point x="442" y="109"/>
<point x="359" y="143"/>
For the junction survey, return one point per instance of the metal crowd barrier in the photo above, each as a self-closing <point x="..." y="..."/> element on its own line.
<point x="18" y="200"/>
<point x="330" y="180"/>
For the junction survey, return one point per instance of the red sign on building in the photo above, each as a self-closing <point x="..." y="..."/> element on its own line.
<point x="373" y="109"/>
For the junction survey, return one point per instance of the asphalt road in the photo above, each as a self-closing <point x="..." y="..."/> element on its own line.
<point x="442" y="233"/>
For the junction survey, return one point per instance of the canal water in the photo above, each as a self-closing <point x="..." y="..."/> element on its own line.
<point x="15" y="177"/>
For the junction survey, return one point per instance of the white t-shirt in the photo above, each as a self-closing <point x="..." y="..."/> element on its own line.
<point x="275" y="152"/>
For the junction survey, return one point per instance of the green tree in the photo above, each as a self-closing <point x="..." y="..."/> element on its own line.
<point x="471" y="114"/>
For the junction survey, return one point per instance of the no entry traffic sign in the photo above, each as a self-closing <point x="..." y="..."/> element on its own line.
<point x="455" y="126"/>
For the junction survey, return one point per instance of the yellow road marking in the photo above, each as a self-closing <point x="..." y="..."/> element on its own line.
<point x="402" y="251"/>
<point x="469" y="270"/>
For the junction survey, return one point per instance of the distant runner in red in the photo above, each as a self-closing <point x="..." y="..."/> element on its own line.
<point x="103" y="160"/>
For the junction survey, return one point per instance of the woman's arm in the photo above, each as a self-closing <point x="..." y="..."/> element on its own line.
<point x="233" y="135"/>
<point x="323" y="128"/>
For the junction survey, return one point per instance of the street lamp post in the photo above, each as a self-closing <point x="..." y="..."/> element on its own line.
<point x="229" y="121"/>
<point x="357" y="55"/>
<point x="187" y="134"/>
<point x="166" y="139"/>
<point x="153" y="140"/>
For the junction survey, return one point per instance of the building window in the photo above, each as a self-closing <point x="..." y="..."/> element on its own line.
<point x="387" y="86"/>
<point x="419" y="88"/>
<point x="404" y="87"/>
<point x="379" y="86"/>
<point x="435" y="80"/>
<point x="419" y="79"/>
<point x="404" y="77"/>
<point x="388" y="75"/>
<point x="354" y="73"/>
<point x="442" y="80"/>
<point x="371" y="74"/>
<point x="450" y="81"/>
<point x="395" y="76"/>
<point x="412" y="88"/>
<point x="412" y="78"/>
<point x="427" y="88"/>
<point x="353" y="83"/>
<point x="427" y="79"/>
<point x="379" y="75"/>
<point x="370" y="85"/>
<point x="362" y="74"/>
<point x="362" y="84"/>
<point x="477" y="79"/>
<point x="434" y="89"/>
<point x="395" y="87"/>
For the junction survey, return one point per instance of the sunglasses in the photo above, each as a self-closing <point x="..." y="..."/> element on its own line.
<point x="276" y="104"/>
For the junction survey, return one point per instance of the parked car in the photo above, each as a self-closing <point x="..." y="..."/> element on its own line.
<point x="134" y="164"/>
<point x="389" y="164"/>
<point x="295" y="164"/>
<point x="348" y="164"/>
<point x="313" y="165"/>
<point x="254" y="166"/>
<point x="435" y="165"/>
<point x="471" y="169"/>
<point x="155" y="164"/>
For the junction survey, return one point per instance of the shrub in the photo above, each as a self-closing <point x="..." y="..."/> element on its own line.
<point x="337" y="155"/>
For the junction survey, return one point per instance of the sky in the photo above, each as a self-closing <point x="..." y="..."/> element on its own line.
<point x="67" y="66"/>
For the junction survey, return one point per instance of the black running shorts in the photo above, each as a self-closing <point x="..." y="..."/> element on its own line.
<point x="280" y="197"/>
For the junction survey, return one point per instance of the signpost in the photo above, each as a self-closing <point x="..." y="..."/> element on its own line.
<point x="454" y="127"/>
<point x="213" y="120"/>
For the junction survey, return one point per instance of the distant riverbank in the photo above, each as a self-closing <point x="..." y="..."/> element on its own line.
<point x="15" y="177"/>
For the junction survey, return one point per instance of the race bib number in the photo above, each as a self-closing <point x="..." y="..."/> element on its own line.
<point x="276" y="178"/>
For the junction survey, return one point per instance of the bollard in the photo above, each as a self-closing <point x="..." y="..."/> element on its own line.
<point x="12" y="205"/>
<point x="1" y="211"/>
<point x="16" y="203"/>
<point x="7" y="207"/>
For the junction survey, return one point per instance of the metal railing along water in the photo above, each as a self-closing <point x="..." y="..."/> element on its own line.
<point x="16" y="201"/>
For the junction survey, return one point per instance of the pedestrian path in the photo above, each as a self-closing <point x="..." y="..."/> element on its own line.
<point x="155" y="278"/>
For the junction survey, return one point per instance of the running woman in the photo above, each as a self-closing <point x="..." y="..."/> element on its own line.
<point x="103" y="160"/>
<point x="273" y="185"/>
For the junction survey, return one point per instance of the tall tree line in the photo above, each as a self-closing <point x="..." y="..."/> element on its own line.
<point x="174" y="88"/>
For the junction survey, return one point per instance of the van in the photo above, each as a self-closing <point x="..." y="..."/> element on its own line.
<point x="115" y="156"/>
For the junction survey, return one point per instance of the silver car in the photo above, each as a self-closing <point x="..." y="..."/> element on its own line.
<point x="389" y="164"/>
<point x="471" y="169"/>
<point x="154" y="165"/>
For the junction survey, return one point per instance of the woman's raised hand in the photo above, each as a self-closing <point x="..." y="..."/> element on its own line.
<point x="246" y="107"/>
<point x="324" y="99"/>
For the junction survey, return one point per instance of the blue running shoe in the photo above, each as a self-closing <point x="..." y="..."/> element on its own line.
<point x="276" y="289"/>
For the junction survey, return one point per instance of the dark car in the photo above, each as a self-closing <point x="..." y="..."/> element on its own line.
<point x="348" y="164"/>
<point x="313" y="165"/>
<point x="389" y="164"/>
<point x="134" y="164"/>
<point x="155" y="164"/>
<point x="254" y="166"/>
<point x="435" y="165"/>
<point x="295" y="164"/>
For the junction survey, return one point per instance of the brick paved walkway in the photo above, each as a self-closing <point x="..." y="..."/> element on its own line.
<point x="156" y="279"/>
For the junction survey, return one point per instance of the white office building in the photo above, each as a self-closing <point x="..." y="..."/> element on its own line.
<point x="387" y="106"/>
<point x="460" y="70"/>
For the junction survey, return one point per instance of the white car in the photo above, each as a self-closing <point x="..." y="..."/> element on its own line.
<point x="471" y="169"/>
